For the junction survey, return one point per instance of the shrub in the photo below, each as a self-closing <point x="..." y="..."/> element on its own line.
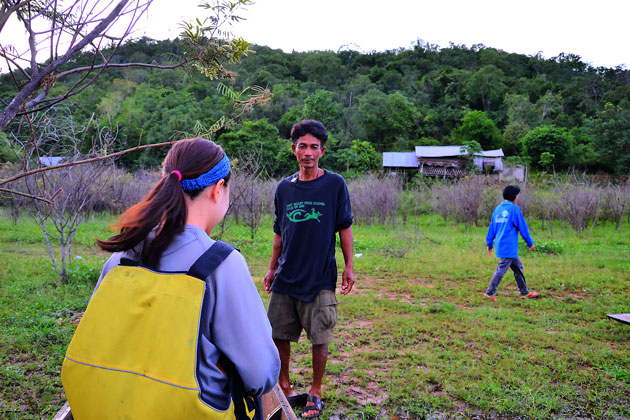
<point x="616" y="203"/>
<point x="461" y="199"/>
<point x="549" y="247"/>
<point x="374" y="199"/>
<point x="544" y="206"/>
<point x="122" y="189"/>
<point x="578" y="204"/>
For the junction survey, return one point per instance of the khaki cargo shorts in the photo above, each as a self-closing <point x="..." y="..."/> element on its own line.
<point x="288" y="316"/>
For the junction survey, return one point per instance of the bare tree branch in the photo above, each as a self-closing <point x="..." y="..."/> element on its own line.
<point x="7" y="115"/>
<point x="8" y="11"/>
<point x="81" y="162"/>
<point x="34" y="197"/>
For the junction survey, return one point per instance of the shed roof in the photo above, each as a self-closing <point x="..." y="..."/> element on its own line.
<point x="400" y="160"/>
<point x="450" y="151"/>
<point x="50" y="160"/>
<point x="492" y="153"/>
<point x="439" y="151"/>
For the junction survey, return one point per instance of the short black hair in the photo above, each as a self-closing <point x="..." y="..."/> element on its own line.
<point x="510" y="192"/>
<point x="312" y="127"/>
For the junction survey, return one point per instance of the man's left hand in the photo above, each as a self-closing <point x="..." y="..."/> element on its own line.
<point x="347" y="280"/>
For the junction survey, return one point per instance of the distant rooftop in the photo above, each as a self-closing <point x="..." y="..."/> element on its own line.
<point x="400" y="160"/>
<point x="450" y="151"/>
<point x="50" y="160"/>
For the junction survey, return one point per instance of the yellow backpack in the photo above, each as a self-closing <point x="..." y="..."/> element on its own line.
<point x="134" y="353"/>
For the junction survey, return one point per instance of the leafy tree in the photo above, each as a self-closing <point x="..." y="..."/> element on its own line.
<point x="256" y="136"/>
<point x="583" y="152"/>
<point x="285" y="162"/>
<point x="387" y="117"/>
<point x="402" y="116"/>
<point x="285" y="123"/>
<point x="548" y="106"/>
<point x="427" y="141"/>
<point x="368" y="158"/>
<point x="347" y="159"/>
<point x="546" y="159"/>
<point x="611" y="134"/>
<point x="485" y="89"/>
<point x="321" y="106"/>
<point x="478" y="127"/>
<point x="550" y="139"/>
<point x="324" y="68"/>
<point x="513" y="138"/>
<point x="520" y="111"/>
<point x="373" y="111"/>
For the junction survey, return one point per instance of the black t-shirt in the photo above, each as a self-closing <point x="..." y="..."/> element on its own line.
<point x="308" y="214"/>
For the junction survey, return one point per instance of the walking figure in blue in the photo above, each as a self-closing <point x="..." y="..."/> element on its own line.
<point x="507" y="222"/>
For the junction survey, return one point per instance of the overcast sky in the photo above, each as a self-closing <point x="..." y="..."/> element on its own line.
<point x="598" y="31"/>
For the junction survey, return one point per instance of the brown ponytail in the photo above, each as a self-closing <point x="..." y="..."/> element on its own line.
<point x="164" y="207"/>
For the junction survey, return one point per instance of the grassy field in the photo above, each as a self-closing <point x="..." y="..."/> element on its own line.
<point x="415" y="339"/>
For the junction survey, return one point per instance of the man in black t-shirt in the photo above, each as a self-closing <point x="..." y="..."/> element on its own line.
<point x="311" y="206"/>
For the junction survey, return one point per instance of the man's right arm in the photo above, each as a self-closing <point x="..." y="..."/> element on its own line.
<point x="273" y="264"/>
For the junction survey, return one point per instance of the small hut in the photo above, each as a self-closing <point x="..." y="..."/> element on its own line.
<point x="453" y="161"/>
<point x="400" y="163"/>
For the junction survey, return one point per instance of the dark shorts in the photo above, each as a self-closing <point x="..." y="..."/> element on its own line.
<point x="288" y="316"/>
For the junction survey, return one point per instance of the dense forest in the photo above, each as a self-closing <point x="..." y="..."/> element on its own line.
<point x="558" y="112"/>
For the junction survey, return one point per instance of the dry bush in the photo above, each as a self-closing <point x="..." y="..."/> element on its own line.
<point x="250" y="199"/>
<point x="578" y="204"/>
<point x="461" y="199"/>
<point x="124" y="189"/>
<point x="251" y="194"/>
<point x="374" y="199"/>
<point x="414" y="201"/>
<point x="14" y="203"/>
<point x="442" y="199"/>
<point x="491" y="197"/>
<point x="544" y="205"/>
<point x="615" y="203"/>
<point x="79" y="188"/>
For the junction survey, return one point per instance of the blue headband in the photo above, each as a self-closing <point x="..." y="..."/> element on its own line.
<point x="218" y="172"/>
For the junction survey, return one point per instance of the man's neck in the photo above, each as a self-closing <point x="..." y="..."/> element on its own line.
<point x="309" y="174"/>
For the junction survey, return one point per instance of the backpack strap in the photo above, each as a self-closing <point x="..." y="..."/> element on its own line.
<point x="210" y="260"/>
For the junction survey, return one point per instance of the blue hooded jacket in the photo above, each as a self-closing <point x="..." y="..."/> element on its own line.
<point x="507" y="221"/>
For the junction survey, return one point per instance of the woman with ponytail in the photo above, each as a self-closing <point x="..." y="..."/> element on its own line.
<point x="150" y="320"/>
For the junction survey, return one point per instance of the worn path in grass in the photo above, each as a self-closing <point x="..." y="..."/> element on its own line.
<point x="415" y="339"/>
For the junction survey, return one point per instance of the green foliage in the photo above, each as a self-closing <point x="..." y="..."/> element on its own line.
<point x="386" y="117"/>
<point x="549" y="247"/>
<point x="256" y="136"/>
<point x="611" y="134"/>
<point x="550" y="139"/>
<point x="320" y="106"/>
<point x="395" y="99"/>
<point x="486" y="88"/>
<point x="546" y="159"/>
<point x="476" y="126"/>
<point x="513" y="138"/>
<point x="210" y="43"/>
<point x="367" y="158"/>
<point x="427" y="141"/>
<point x="6" y="153"/>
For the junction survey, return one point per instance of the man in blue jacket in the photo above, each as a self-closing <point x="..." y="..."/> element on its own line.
<point x="507" y="222"/>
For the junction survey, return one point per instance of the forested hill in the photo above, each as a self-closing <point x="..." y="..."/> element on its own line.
<point x="379" y="101"/>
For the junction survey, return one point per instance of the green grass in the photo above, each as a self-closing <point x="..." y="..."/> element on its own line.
<point x="415" y="338"/>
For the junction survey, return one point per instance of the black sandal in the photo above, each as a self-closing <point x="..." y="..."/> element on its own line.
<point x="297" y="400"/>
<point x="317" y="405"/>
